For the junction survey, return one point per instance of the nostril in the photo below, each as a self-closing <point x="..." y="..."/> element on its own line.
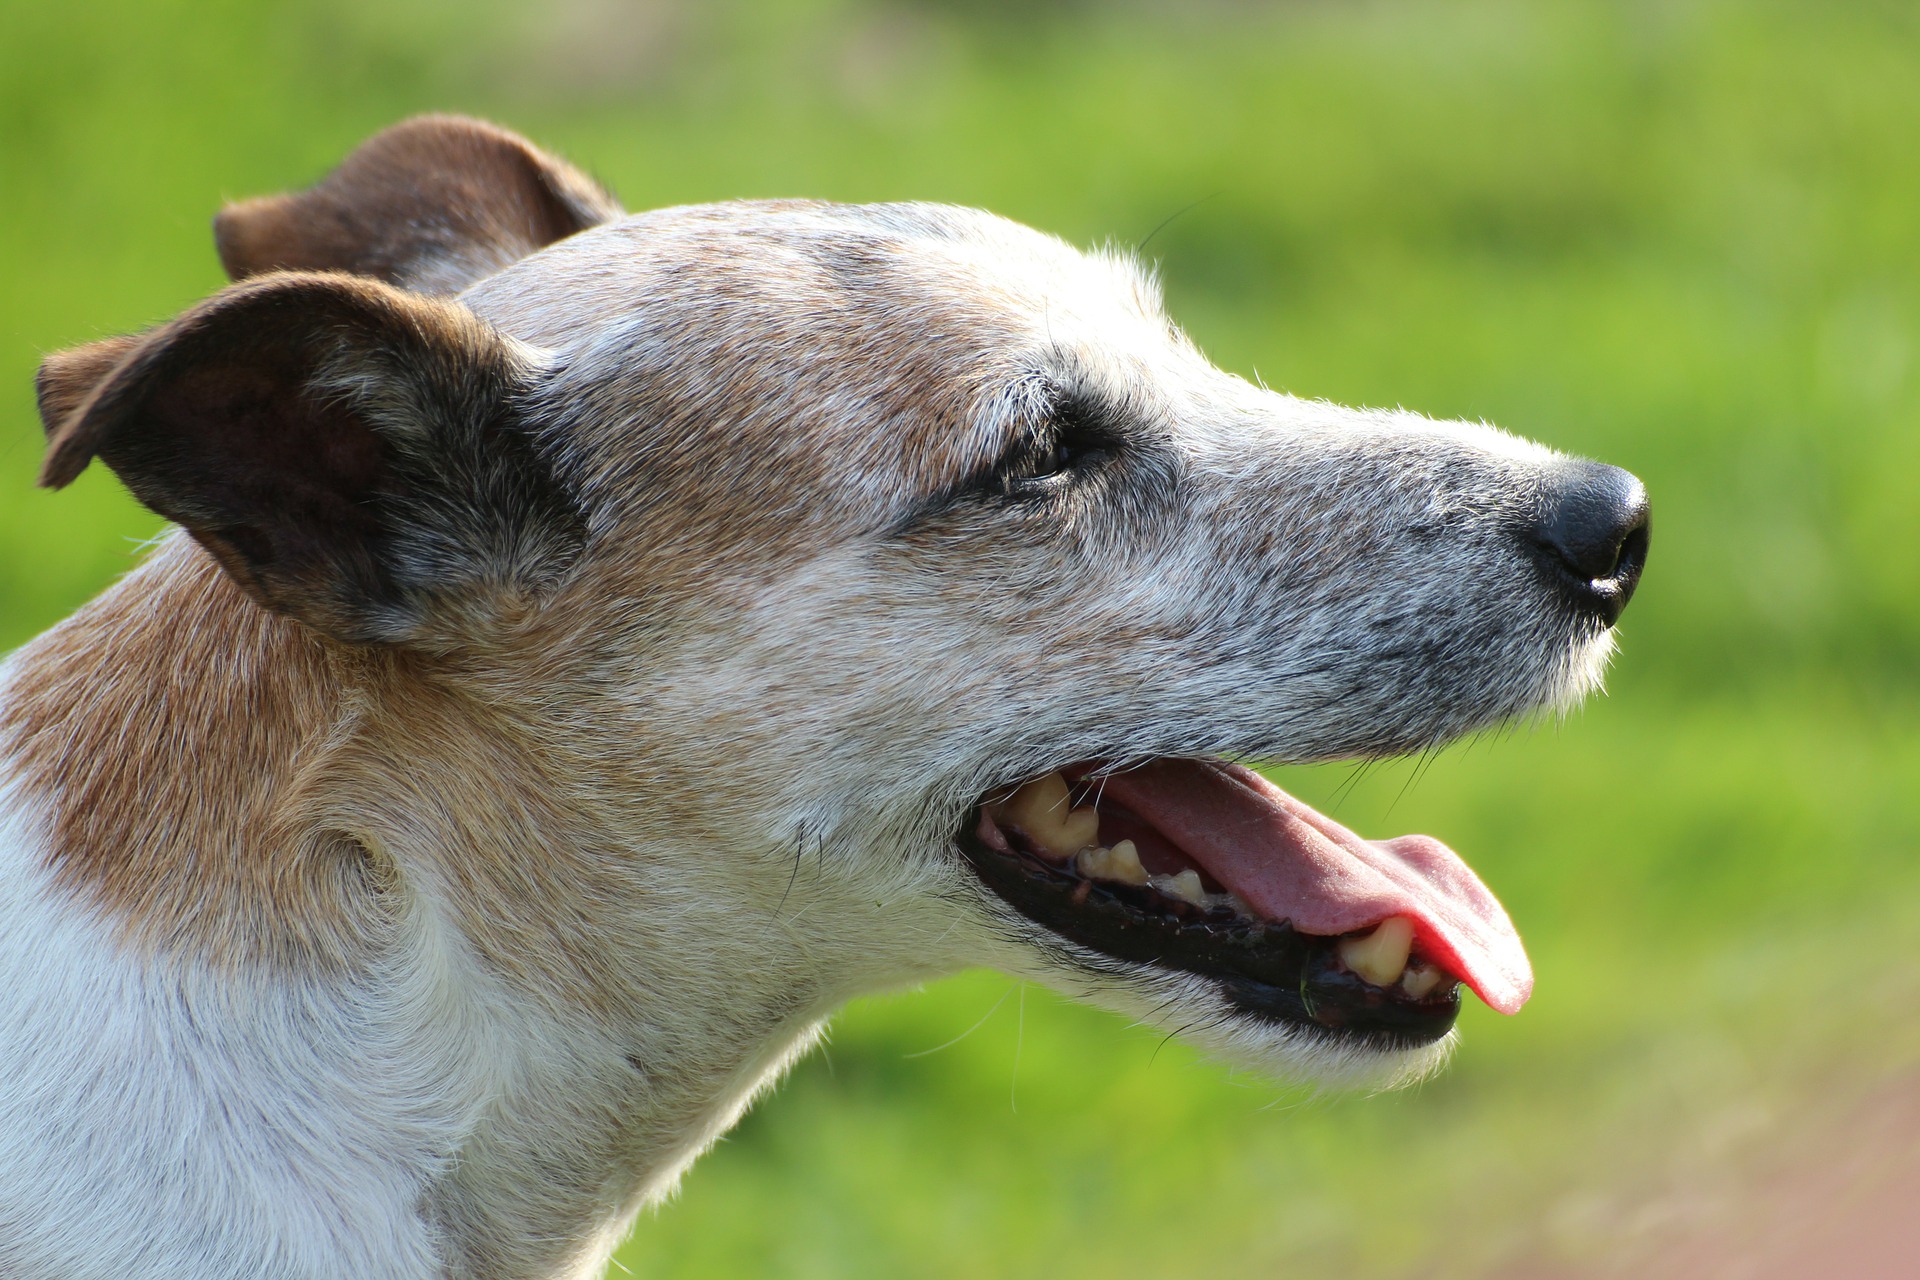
<point x="1594" y="532"/>
<point x="1633" y="547"/>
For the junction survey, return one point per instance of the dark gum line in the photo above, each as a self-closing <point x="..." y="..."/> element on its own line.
<point x="1265" y="969"/>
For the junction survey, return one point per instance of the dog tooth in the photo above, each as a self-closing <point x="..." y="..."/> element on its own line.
<point x="1122" y="863"/>
<point x="1078" y="829"/>
<point x="1420" y="979"/>
<point x="1185" y="886"/>
<point x="1047" y="792"/>
<point x="1381" y="955"/>
<point x="1042" y="811"/>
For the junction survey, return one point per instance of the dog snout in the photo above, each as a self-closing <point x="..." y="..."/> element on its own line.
<point x="1592" y="536"/>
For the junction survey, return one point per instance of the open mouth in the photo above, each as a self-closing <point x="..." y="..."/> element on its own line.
<point x="1205" y="867"/>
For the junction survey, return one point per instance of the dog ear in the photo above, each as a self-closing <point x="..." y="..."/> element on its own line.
<point x="67" y="378"/>
<point x="351" y="454"/>
<point x="432" y="204"/>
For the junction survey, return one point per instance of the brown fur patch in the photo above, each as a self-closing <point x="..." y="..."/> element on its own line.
<point x="432" y="204"/>
<point x="239" y="789"/>
<point x="176" y="777"/>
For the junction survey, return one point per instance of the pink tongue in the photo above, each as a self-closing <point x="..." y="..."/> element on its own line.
<point x="1289" y="862"/>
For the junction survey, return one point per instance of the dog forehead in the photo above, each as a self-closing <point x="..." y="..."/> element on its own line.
<point x="767" y="354"/>
<point x="761" y="260"/>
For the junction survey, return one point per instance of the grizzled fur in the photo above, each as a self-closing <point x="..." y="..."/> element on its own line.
<point x="577" y="663"/>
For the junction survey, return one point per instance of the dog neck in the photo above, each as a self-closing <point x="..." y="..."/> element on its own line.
<point x="171" y="730"/>
<point x="248" y="810"/>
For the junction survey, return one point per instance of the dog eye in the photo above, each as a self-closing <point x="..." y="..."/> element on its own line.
<point x="1075" y="439"/>
<point x="1037" y="465"/>
<point x="1059" y="458"/>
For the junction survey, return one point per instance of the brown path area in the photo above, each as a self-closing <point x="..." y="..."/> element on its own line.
<point x="1836" y="1194"/>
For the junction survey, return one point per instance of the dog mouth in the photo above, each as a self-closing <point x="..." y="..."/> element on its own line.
<point x="1204" y="867"/>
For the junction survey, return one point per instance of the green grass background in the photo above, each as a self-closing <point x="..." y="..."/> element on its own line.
<point x="1680" y="235"/>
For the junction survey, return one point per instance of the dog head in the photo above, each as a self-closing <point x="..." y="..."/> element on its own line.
<point x="895" y="575"/>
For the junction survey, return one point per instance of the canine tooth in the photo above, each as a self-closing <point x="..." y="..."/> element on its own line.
<point x="1042" y="811"/>
<point x="1381" y="955"/>
<point x="1420" y="979"/>
<point x="1122" y="863"/>
<point x="1185" y="886"/>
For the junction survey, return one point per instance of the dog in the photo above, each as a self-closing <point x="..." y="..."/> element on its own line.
<point x="595" y="647"/>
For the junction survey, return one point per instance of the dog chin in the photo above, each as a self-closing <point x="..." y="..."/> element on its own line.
<point x="1586" y="672"/>
<point x="1193" y="1009"/>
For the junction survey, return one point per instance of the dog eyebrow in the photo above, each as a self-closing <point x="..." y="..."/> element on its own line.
<point x="1030" y="402"/>
<point x="1017" y="412"/>
<point x="1023" y="406"/>
<point x="1027" y="412"/>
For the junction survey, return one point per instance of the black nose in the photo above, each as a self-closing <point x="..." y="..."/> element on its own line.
<point x="1592" y="536"/>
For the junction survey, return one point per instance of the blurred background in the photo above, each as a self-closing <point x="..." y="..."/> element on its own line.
<point x="1679" y="235"/>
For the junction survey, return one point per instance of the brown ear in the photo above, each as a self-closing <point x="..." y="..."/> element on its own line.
<point x="352" y="455"/>
<point x="432" y="204"/>
<point x="67" y="378"/>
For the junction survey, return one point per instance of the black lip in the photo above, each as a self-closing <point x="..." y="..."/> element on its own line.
<point x="1264" y="969"/>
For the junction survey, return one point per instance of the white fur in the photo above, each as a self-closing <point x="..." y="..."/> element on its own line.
<point x="213" y="1129"/>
